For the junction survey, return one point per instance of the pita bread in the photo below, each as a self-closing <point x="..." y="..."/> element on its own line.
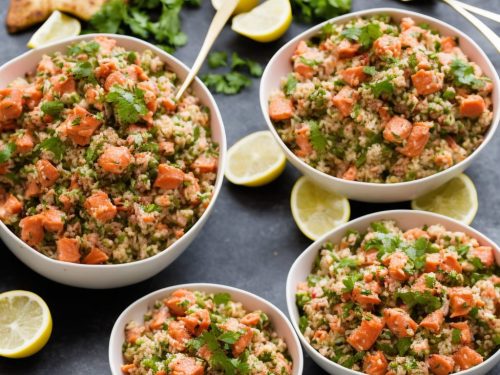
<point x="25" y="13"/>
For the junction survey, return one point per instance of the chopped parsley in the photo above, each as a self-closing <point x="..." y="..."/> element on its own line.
<point x="370" y="70"/>
<point x="222" y="298"/>
<point x="7" y="151"/>
<point x="456" y="335"/>
<point x="290" y="84"/>
<point x="52" y="108"/>
<point x="90" y="48"/>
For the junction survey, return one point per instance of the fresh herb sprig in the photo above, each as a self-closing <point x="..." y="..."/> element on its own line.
<point x="234" y="81"/>
<point x="136" y="17"/>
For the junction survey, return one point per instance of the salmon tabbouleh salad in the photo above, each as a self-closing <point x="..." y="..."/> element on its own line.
<point x="98" y="162"/>
<point x="388" y="301"/>
<point x="376" y="101"/>
<point x="196" y="333"/>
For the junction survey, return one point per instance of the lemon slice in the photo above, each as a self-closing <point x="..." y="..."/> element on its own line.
<point x="25" y="324"/>
<point x="317" y="211"/>
<point x="255" y="160"/>
<point x="266" y="22"/>
<point x="243" y="5"/>
<point x="456" y="199"/>
<point x="58" y="26"/>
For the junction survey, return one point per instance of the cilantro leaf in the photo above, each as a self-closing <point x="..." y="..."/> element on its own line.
<point x="365" y="35"/>
<point x="109" y="17"/>
<point x="318" y="140"/>
<point x="7" y="151"/>
<point x="238" y="63"/>
<point x="128" y="106"/>
<point x="349" y="282"/>
<point x="378" y="226"/>
<point x="303" y="323"/>
<point x="464" y="74"/>
<point x="382" y="87"/>
<point x="456" y="335"/>
<point x="52" y="108"/>
<point x="90" y="48"/>
<point x="290" y="85"/>
<point x="221" y="298"/>
<point x="429" y="302"/>
<point x="229" y="337"/>
<point x="217" y="59"/>
<point x="317" y="10"/>
<point x="155" y="19"/>
<point x="229" y="83"/>
<point x="83" y="70"/>
<point x="54" y="145"/>
<point x="350" y="361"/>
<point x="403" y="344"/>
<point x="370" y="70"/>
<point x="369" y="34"/>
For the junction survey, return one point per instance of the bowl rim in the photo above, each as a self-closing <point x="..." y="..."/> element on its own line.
<point x="314" y="248"/>
<point x="307" y="34"/>
<point x="114" y="343"/>
<point x="215" y="115"/>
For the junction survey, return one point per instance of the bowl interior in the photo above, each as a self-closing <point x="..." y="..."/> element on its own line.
<point x="406" y="219"/>
<point x="27" y="62"/>
<point x="280" y="66"/>
<point x="250" y="302"/>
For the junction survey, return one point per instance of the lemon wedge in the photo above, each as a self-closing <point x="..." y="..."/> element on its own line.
<point x="266" y="22"/>
<point x="255" y="160"/>
<point x="57" y="27"/>
<point x="25" y="324"/>
<point x="317" y="211"/>
<point x="456" y="199"/>
<point x="243" y="5"/>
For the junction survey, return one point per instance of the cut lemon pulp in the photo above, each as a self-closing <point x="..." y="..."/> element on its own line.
<point x="255" y="160"/>
<point x="317" y="211"/>
<point x="25" y="324"/>
<point x="58" y="26"/>
<point x="456" y="199"/>
<point x="266" y="22"/>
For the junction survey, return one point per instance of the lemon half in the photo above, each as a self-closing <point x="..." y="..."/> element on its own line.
<point x="456" y="199"/>
<point x="266" y="22"/>
<point x="317" y="211"/>
<point x="243" y="5"/>
<point x="57" y="27"/>
<point x="25" y="324"/>
<point x="255" y="160"/>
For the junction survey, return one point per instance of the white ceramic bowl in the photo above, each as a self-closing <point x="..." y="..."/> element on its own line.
<point x="113" y="275"/>
<point x="406" y="219"/>
<point x="279" y="66"/>
<point x="250" y="301"/>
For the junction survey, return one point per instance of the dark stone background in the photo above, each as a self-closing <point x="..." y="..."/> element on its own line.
<point x="250" y="240"/>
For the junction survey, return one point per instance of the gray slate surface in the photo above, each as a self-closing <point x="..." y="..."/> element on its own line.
<point x="250" y="240"/>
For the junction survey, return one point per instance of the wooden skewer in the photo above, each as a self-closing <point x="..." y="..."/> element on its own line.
<point x="214" y="30"/>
